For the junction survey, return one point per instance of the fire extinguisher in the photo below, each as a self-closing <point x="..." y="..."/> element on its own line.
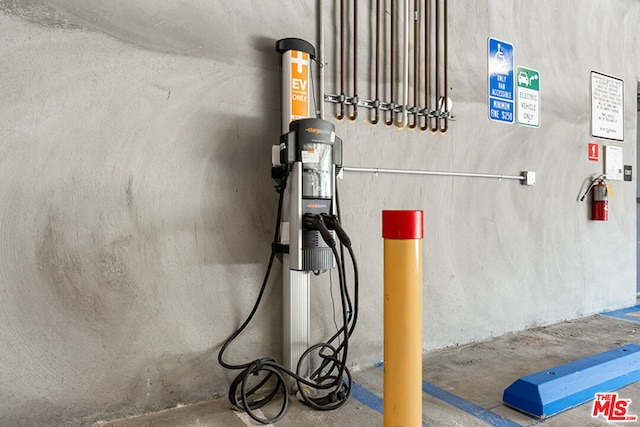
<point x="600" y="203"/>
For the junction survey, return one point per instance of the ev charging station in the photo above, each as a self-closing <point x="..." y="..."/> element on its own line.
<point x="313" y="152"/>
<point x="305" y="164"/>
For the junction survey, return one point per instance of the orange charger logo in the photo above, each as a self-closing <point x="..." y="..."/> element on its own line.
<point x="299" y="85"/>
<point x="316" y="131"/>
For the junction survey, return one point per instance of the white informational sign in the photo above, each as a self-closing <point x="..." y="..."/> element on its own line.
<point x="607" y="107"/>
<point x="613" y="166"/>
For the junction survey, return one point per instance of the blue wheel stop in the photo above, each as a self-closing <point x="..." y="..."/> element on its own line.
<point x="554" y="390"/>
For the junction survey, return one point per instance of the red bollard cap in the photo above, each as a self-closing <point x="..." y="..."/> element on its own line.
<point x="402" y="224"/>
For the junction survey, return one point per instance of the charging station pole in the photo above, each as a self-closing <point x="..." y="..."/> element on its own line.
<point x="296" y="104"/>
<point x="305" y="164"/>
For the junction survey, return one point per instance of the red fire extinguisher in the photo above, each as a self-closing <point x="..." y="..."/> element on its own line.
<point x="600" y="203"/>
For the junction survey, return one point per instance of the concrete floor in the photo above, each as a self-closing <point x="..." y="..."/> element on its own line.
<point x="463" y="385"/>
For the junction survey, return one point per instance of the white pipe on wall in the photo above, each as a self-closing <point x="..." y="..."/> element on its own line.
<point x="320" y="110"/>
<point x="423" y="172"/>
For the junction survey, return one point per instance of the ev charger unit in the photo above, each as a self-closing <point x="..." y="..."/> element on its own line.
<point x="313" y="152"/>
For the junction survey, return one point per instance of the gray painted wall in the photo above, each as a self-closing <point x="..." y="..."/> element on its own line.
<point x="138" y="210"/>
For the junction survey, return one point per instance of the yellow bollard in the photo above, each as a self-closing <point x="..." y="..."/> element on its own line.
<point x="402" y="232"/>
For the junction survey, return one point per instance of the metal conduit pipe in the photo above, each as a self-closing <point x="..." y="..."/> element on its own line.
<point x="377" y="67"/>
<point x="438" y="173"/>
<point x="445" y="102"/>
<point x="427" y="62"/>
<point x="392" y="49"/>
<point x="405" y="66"/>
<point x="341" y="114"/>
<point x="416" y="69"/>
<point x="434" y="123"/>
<point x="320" y="110"/>
<point x="354" y="115"/>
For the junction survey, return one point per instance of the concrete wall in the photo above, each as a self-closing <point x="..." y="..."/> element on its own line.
<point x="138" y="210"/>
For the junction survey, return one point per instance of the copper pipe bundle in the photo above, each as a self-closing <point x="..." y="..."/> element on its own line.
<point x="429" y="87"/>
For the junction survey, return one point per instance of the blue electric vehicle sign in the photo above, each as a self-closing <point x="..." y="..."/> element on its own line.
<point x="501" y="93"/>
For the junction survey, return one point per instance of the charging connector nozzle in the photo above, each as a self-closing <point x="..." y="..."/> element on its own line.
<point x="333" y="224"/>
<point x="315" y="222"/>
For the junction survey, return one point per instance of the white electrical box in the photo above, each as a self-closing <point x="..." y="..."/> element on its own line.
<point x="529" y="178"/>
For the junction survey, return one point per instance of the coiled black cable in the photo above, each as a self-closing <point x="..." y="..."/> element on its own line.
<point x="331" y="378"/>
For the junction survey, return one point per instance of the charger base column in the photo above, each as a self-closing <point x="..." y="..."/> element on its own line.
<point x="402" y="232"/>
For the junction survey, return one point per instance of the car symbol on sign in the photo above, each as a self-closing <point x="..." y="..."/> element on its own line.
<point x="523" y="78"/>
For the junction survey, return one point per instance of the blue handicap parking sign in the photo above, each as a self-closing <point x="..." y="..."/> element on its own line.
<point x="500" y="70"/>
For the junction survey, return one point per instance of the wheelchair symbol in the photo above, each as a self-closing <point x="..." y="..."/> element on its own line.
<point x="499" y="57"/>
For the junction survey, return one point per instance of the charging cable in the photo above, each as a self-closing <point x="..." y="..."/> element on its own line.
<point x="332" y="379"/>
